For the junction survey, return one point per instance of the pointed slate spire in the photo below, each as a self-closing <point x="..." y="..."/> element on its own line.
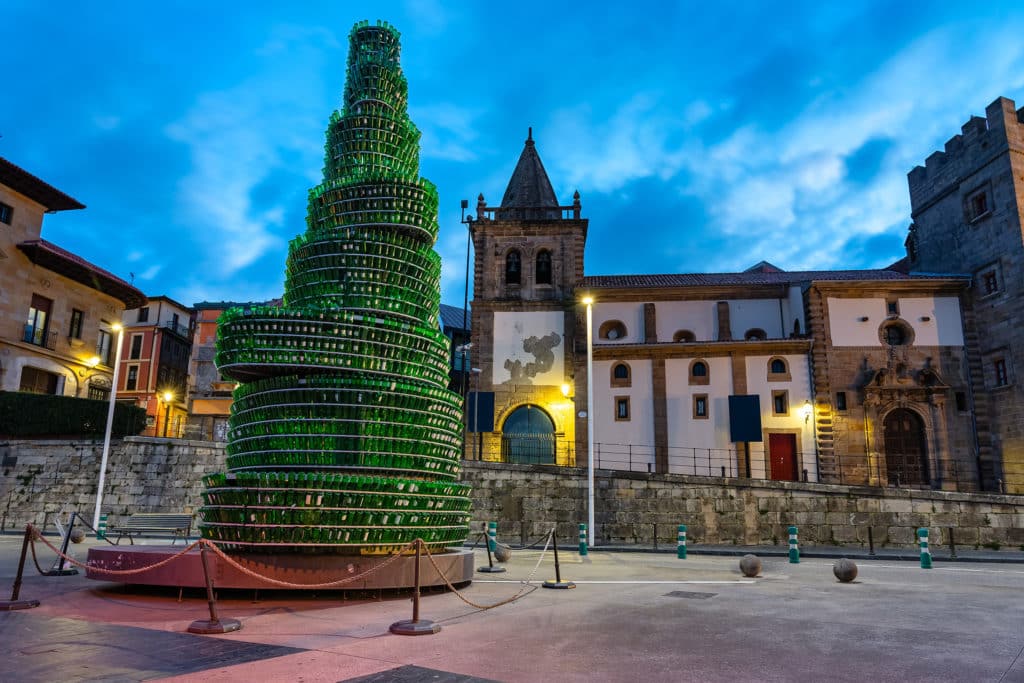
<point x="529" y="193"/>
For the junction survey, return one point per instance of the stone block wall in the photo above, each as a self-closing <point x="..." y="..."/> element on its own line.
<point x="39" y="479"/>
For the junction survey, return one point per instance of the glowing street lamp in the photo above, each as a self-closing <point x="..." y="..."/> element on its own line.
<point x="168" y="397"/>
<point x="588" y="301"/>
<point x="110" y="423"/>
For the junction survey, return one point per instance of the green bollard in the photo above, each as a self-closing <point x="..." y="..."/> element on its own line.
<point x="926" y="553"/>
<point x="583" y="539"/>
<point x="101" y="530"/>
<point x="794" y="548"/>
<point x="492" y="536"/>
<point x="681" y="542"/>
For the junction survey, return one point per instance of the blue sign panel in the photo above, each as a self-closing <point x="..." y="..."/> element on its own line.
<point x="480" y="411"/>
<point x="745" y="418"/>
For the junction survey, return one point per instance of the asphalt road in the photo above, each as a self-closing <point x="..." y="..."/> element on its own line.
<point x="631" y="617"/>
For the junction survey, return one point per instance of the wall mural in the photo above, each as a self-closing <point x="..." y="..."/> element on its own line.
<point x="528" y="348"/>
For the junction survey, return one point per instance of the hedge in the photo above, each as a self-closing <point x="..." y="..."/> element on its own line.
<point x="41" y="415"/>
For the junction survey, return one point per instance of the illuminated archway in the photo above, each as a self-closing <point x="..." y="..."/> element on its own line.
<point x="528" y="437"/>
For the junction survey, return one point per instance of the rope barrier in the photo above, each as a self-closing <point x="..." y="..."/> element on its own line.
<point x="526" y="583"/>
<point x="522" y="591"/>
<point x="287" y="584"/>
<point x="102" y="570"/>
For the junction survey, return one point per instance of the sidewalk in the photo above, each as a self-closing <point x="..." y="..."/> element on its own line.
<point x="939" y="554"/>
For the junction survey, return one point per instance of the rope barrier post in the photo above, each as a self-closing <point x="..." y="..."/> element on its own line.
<point x="557" y="583"/>
<point x="681" y="542"/>
<point x="926" y="554"/>
<point x="59" y="568"/>
<point x="490" y="568"/>
<point x="14" y="603"/>
<point x="583" y="539"/>
<point x="214" y="624"/>
<point x="794" y="547"/>
<point x="415" y="626"/>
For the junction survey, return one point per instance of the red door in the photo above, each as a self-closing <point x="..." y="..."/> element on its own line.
<point x="782" y="454"/>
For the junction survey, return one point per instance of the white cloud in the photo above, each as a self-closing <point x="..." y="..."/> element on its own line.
<point x="448" y="131"/>
<point x="632" y="144"/>
<point x="787" y="191"/>
<point x="237" y="137"/>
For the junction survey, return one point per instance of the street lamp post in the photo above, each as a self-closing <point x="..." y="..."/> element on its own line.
<point x="168" y="397"/>
<point x="110" y="424"/>
<point x="589" y="302"/>
<point x="465" y="298"/>
<point x="477" y="446"/>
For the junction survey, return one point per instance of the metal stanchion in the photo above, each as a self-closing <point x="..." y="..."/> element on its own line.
<point x="415" y="626"/>
<point x="14" y="603"/>
<point x="214" y="624"/>
<point x="490" y="568"/>
<point x="58" y="568"/>
<point x="557" y="583"/>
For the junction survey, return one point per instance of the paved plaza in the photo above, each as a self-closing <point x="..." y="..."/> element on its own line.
<point x="632" y="617"/>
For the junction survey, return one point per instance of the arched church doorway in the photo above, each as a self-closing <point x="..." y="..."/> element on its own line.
<point x="528" y="436"/>
<point x="906" y="454"/>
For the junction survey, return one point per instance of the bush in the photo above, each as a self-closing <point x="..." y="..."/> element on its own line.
<point x="45" y="415"/>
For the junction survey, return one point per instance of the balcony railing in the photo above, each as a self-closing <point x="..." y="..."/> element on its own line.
<point x="40" y="336"/>
<point x="180" y="330"/>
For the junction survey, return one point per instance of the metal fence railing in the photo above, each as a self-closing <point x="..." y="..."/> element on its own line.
<point x="957" y="474"/>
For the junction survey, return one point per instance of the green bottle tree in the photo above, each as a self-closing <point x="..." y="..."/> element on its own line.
<point x="342" y="418"/>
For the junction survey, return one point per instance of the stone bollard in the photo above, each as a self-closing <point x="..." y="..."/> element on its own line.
<point x="794" y="547"/>
<point x="681" y="542"/>
<point x="583" y="539"/>
<point x="926" y="553"/>
<point x="502" y="552"/>
<point x="750" y="565"/>
<point x="492" y="535"/>
<point x="845" y="570"/>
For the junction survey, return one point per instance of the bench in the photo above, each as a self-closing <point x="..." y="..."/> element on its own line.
<point x="178" y="525"/>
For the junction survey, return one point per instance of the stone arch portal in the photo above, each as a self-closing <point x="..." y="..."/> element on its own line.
<point x="906" y="448"/>
<point x="528" y="437"/>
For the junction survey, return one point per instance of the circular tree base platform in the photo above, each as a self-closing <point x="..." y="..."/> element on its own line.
<point x="297" y="570"/>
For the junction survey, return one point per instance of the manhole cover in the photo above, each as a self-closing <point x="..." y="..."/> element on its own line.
<point x="691" y="595"/>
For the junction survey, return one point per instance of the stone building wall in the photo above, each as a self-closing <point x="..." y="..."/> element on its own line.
<point x="41" y="478"/>
<point x="967" y="203"/>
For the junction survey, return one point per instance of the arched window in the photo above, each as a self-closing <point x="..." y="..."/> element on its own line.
<point x="528" y="436"/>
<point x="544" y="267"/>
<point x="755" y="334"/>
<point x="699" y="372"/>
<point x="612" y="330"/>
<point x="513" y="268"/>
<point x="684" y="336"/>
<point x="621" y="376"/>
<point x="778" y="370"/>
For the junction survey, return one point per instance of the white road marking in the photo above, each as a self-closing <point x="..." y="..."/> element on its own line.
<point x="744" y="581"/>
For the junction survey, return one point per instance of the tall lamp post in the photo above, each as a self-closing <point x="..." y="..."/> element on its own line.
<point x="465" y="297"/>
<point x="589" y="302"/>
<point x="110" y="424"/>
<point x="460" y="353"/>
<point x="168" y="397"/>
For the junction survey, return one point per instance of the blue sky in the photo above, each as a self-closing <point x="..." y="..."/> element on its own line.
<point x="701" y="136"/>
